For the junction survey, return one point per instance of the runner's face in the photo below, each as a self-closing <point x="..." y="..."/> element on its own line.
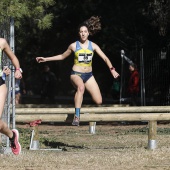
<point x="83" y="33"/>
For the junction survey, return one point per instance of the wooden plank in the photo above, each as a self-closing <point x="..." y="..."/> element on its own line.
<point x="66" y="106"/>
<point x="93" y="117"/>
<point x="141" y="109"/>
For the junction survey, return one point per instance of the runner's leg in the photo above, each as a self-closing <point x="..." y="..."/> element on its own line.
<point x="93" y="88"/>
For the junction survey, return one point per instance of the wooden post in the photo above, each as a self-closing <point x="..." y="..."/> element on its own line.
<point x="36" y="132"/>
<point x="152" y="135"/>
<point x="34" y="143"/>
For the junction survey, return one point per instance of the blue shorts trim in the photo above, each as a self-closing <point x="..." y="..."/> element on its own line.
<point x="84" y="76"/>
<point x="1" y="81"/>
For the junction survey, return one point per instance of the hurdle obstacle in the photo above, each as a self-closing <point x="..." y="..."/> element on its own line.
<point x="151" y="114"/>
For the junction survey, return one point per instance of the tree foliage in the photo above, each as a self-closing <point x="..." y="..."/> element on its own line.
<point x="158" y="13"/>
<point x="34" y="10"/>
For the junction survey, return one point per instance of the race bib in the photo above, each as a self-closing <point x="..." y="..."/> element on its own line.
<point x="84" y="58"/>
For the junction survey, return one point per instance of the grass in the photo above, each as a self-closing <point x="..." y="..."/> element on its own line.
<point x="113" y="147"/>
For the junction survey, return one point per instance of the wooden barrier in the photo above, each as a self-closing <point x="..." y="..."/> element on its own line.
<point x="151" y="114"/>
<point x="143" y="109"/>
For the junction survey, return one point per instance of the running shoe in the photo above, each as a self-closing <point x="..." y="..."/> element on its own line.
<point x="76" y="121"/>
<point x="15" y="145"/>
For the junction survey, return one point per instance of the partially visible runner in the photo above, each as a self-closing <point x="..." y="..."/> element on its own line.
<point x="12" y="134"/>
<point x="81" y="75"/>
<point x="19" y="90"/>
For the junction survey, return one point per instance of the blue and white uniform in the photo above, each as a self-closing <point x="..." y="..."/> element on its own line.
<point x="83" y="57"/>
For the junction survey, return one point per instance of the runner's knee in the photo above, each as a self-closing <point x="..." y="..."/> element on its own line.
<point x="99" y="102"/>
<point x="81" y="88"/>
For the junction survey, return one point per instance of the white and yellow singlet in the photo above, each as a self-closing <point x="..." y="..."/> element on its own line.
<point x="83" y="57"/>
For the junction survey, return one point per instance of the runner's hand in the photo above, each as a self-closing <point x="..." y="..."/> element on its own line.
<point x="40" y="59"/>
<point x="6" y="70"/>
<point x="18" y="74"/>
<point x="115" y="74"/>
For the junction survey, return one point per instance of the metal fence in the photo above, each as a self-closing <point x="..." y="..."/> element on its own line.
<point x="157" y="74"/>
<point x="154" y="69"/>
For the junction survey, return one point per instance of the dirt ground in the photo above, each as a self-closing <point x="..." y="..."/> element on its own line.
<point x="114" y="146"/>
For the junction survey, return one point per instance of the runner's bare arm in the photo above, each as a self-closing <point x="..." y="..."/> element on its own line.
<point x="56" y="57"/>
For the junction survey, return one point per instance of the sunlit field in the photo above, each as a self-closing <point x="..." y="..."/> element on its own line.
<point x="114" y="146"/>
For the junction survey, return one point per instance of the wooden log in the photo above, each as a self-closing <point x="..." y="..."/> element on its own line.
<point x="152" y="130"/>
<point x="66" y="106"/>
<point x="142" y="109"/>
<point x="152" y="144"/>
<point x="93" y="117"/>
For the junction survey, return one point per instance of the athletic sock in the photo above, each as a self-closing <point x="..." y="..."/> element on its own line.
<point x="77" y="112"/>
<point x="13" y="137"/>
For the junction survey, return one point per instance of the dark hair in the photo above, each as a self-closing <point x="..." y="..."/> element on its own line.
<point x="133" y="65"/>
<point x="93" y="25"/>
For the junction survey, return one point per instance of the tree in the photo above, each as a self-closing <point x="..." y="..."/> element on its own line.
<point x="158" y="12"/>
<point x="34" y="10"/>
